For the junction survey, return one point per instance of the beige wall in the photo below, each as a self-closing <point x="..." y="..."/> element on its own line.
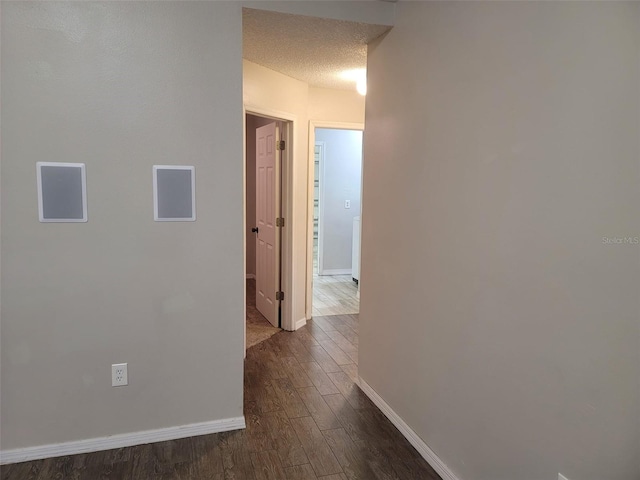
<point x="331" y="105"/>
<point x="502" y="145"/>
<point x="120" y="86"/>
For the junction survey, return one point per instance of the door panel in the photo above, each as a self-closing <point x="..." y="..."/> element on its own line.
<point x="267" y="210"/>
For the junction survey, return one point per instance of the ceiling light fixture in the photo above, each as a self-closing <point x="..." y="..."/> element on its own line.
<point x="359" y="76"/>
<point x="361" y="87"/>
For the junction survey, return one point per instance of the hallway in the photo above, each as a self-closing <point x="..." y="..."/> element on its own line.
<point x="306" y="420"/>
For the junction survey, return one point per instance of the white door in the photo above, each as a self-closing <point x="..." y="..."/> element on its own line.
<point x="267" y="211"/>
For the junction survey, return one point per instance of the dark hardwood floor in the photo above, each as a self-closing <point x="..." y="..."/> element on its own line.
<point x="306" y="420"/>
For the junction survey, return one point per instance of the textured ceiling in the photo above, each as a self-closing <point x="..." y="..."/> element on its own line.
<point x="314" y="50"/>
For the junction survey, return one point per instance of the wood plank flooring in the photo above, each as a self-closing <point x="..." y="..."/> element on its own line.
<point x="334" y="295"/>
<point x="306" y="420"/>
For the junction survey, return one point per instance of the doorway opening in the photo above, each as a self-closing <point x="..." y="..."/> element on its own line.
<point x="336" y="173"/>
<point x="265" y="168"/>
<point x="316" y="80"/>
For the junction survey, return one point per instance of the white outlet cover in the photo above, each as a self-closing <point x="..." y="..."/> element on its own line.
<point x="562" y="477"/>
<point x="119" y="375"/>
<point x="347" y="204"/>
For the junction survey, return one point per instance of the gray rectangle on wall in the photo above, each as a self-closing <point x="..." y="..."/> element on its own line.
<point x="61" y="192"/>
<point x="174" y="195"/>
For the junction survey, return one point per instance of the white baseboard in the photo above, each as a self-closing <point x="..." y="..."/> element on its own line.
<point x="422" y="448"/>
<point x="250" y="276"/>
<point x="119" y="441"/>
<point x="337" y="271"/>
<point x="301" y="323"/>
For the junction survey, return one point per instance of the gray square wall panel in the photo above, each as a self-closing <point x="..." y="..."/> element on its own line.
<point x="62" y="192"/>
<point x="174" y="196"/>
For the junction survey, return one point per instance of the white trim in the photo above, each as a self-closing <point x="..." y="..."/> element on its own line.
<point x="336" y="125"/>
<point x="313" y="124"/>
<point x="423" y="449"/>
<point x="191" y="169"/>
<point x="336" y="271"/>
<point x="83" y="177"/>
<point x="244" y="235"/>
<point x="287" y="236"/>
<point x="119" y="441"/>
<point x="321" y="165"/>
<point x="251" y="276"/>
<point x="301" y="323"/>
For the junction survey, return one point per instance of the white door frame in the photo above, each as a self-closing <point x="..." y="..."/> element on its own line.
<point x="313" y="124"/>
<point x="320" y="205"/>
<point x="286" y="238"/>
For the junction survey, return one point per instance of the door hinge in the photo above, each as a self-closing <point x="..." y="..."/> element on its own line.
<point x="280" y="145"/>
<point x="279" y="295"/>
<point x="279" y="222"/>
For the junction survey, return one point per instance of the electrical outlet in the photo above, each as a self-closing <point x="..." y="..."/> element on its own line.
<point x="347" y="204"/>
<point x="562" y="477"/>
<point x="119" y="376"/>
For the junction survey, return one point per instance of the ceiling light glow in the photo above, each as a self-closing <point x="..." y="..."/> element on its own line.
<point x="359" y="76"/>
<point x="361" y="87"/>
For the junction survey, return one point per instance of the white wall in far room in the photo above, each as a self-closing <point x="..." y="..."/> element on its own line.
<point x="341" y="177"/>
